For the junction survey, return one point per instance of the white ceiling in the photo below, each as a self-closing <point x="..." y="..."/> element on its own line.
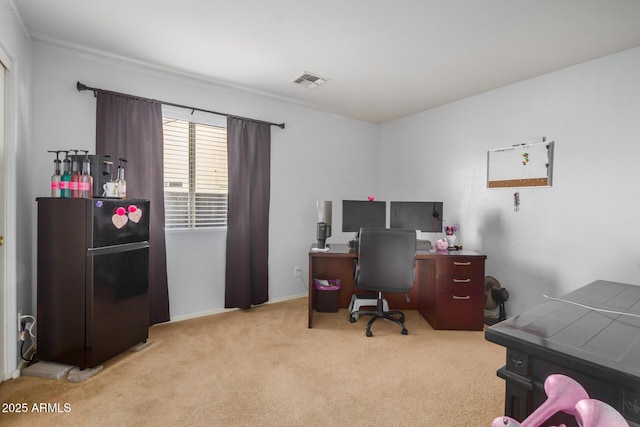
<point x="383" y="59"/>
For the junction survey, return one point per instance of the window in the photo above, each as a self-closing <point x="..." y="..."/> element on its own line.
<point x="195" y="174"/>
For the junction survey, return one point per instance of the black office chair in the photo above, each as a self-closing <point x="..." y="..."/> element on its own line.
<point x="386" y="261"/>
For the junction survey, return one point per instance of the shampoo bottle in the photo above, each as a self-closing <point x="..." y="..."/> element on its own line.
<point x="55" y="178"/>
<point x="120" y="182"/>
<point x="75" y="176"/>
<point x="66" y="176"/>
<point x="85" y="181"/>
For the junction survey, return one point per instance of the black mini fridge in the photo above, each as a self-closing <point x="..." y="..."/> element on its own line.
<point x="92" y="278"/>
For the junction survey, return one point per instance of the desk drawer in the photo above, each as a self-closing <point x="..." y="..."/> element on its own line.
<point x="460" y="312"/>
<point x="462" y="265"/>
<point x="460" y="285"/>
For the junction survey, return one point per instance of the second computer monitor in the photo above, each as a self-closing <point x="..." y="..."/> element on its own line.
<point x="423" y="216"/>
<point x="363" y="213"/>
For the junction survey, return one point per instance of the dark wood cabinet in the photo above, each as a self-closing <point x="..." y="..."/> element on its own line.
<point x="599" y="349"/>
<point x="454" y="297"/>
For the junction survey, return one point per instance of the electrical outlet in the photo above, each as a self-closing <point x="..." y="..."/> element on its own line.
<point x="297" y="271"/>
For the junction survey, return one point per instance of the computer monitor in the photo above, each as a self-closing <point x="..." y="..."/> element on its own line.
<point x="423" y="216"/>
<point x="363" y="213"/>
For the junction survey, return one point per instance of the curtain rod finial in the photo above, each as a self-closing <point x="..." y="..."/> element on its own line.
<point x="80" y="86"/>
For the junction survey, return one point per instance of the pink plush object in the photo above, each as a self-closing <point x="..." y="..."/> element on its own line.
<point x="566" y="395"/>
<point x="371" y="198"/>
<point x="563" y="393"/>
<point x="442" y="244"/>
<point x="594" y="413"/>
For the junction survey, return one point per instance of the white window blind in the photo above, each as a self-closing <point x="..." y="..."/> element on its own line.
<point x="195" y="175"/>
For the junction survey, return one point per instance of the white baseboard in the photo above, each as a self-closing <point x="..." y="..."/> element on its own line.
<point x="226" y="310"/>
<point x="13" y="374"/>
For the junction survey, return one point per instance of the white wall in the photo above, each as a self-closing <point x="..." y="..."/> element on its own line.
<point x="17" y="247"/>
<point x="582" y="229"/>
<point x="317" y="156"/>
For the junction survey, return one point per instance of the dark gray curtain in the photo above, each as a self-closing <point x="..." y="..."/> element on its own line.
<point x="249" y="158"/>
<point x="131" y="128"/>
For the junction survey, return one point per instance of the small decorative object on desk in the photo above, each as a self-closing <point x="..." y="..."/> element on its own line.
<point x="450" y="231"/>
<point x="441" y="245"/>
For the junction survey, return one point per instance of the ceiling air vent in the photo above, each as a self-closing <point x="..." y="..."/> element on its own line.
<point x="309" y="80"/>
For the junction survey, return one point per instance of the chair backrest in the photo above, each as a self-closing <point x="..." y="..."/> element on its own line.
<point x="386" y="259"/>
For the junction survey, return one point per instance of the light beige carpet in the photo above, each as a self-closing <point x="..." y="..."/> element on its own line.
<point x="264" y="367"/>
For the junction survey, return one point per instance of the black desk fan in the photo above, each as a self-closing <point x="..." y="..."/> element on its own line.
<point x="494" y="296"/>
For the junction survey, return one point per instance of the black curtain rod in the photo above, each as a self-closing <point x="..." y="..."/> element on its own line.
<point x="81" y="87"/>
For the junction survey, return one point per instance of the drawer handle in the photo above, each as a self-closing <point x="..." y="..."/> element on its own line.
<point x="465" y="297"/>
<point x="461" y="263"/>
<point x="461" y="280"/>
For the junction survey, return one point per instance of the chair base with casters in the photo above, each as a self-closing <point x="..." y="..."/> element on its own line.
<point x="364" y="300"/>
<point x="380" y="313"/>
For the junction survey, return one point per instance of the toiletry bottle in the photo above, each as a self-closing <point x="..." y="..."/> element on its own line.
<point x="120" y="182"/>
<point x="75" y="176"/>
<point x="85" y="182"/>
<point x="66" y="176"/>
<point x="55" y="178"/>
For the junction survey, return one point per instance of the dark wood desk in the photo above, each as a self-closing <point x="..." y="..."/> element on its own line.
<point x="448" y="292"/>
<point x="599" y="350"/>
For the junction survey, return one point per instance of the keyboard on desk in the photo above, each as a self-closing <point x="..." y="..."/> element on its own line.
<point x="423" y="245"/>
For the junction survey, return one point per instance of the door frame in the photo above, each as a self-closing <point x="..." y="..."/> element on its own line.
<point x="8" y="290"/>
